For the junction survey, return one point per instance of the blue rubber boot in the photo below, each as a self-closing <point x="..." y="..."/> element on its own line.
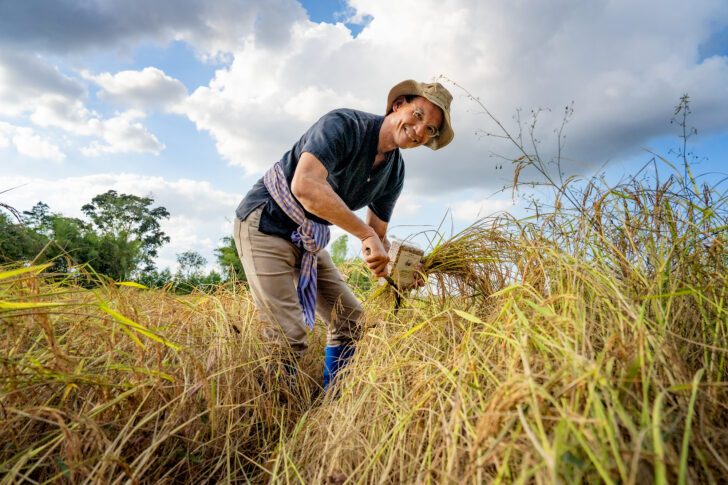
<point x="336" y="358"/>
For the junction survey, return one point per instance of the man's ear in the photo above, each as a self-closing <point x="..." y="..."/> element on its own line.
<point x="398" y="102"/>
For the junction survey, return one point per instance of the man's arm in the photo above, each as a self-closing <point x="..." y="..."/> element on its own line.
<point x="380" y="227"/>
<point x="310" y="187"/>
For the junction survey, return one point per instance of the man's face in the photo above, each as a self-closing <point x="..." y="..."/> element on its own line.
<point x="416" y="122"/>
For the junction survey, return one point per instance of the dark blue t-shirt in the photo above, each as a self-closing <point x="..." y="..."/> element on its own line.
<point x="345" y="141"/>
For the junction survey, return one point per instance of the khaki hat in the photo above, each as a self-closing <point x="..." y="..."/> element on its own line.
<point x="437" y="95"/>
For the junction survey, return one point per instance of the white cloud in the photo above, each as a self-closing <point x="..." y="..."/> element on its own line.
<point x="34" y="146"/>
<point x="217" y="27"/>
<point x="472" y="210"/>
<point x="147" y="89"/>
<point x="616" y="60"/>
<point x="27" y="80"/>
<point x="28" y="143"/>
<point x="619" y="61"/>
<point x="256" y="109"/>
<point x="120" y="133"/>
<point x="197" y="199"/>
<point x="408" y="204"/>
<point x="186" y="234"/>
<point x="29" y="86"/>
<point x="310" y="103"/>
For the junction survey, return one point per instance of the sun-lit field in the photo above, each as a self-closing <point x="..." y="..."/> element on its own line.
<point x="581" y="345"/>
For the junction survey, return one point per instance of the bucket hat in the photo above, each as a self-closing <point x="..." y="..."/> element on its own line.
<point x="438" y="95"/>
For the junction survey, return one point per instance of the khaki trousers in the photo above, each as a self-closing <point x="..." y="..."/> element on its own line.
<point x="272" y="265"/>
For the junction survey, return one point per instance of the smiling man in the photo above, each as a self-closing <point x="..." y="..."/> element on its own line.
<point x="347" y="160"/>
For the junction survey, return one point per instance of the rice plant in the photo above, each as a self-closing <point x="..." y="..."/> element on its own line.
<point x="123" y="383"/>
<point x="586" y="345"/>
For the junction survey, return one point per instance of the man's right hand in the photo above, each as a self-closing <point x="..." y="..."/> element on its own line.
<point x="375" y="256"/>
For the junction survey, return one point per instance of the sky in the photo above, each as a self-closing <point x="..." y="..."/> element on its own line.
<point x="190" y="102"/>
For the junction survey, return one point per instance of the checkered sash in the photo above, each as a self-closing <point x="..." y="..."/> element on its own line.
<point x="310" y="235"/>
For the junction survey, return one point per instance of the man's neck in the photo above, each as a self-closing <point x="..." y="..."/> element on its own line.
<point x="386" y="138"/>
<point x="380" y="159"/>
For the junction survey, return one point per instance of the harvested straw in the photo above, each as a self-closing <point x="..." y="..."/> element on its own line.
<point x="473" y="262"/>
<point x="600" y="357"/>
<point x="586" y="345"/>
<point x="122" y="383"/>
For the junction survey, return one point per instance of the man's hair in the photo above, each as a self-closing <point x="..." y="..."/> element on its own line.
<point x="407" y="99"/>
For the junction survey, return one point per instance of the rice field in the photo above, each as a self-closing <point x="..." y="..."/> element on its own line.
<point x="585" y="344"/>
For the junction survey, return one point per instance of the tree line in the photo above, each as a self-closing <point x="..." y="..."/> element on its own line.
<point x="119" y="237"/>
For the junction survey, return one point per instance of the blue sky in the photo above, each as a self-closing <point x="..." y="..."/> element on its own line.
<point x="190" y="102"/>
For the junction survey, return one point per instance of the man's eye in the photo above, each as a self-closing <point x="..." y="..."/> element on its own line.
<point x="431" y="130"/>
<point x="418" y="114"/>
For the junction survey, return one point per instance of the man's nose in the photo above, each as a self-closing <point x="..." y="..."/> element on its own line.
<point x="421" y="130"/>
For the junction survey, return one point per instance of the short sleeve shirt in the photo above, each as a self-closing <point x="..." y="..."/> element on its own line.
<point x="345" y="141"/>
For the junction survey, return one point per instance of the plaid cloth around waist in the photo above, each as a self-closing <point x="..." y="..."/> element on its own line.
<point x="310" y="236"/>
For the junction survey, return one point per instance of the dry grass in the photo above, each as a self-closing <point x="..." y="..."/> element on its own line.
<point x="119" y="383"/>
<point x="585" y="345"/>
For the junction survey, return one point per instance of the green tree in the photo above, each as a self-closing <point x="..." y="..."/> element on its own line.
<point x="129" y="220"/>
<point x="117" y="256"/>
<point x="123" y="234"/>
<point x="155" y="279"/>
<point x="190" y="265"/>
<point x="39" y="218"/>
<point x="208" y="281"/>
<point x="73" y="239"/>
<point x="339" y="249"/>
<point x="354" y="271"/>
<point x="228" y="259"/>
<point x="190" y="275"/>
<point x="18" y="242"/>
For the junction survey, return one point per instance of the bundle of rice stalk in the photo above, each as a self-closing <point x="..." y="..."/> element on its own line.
<point x="471" y="263"/>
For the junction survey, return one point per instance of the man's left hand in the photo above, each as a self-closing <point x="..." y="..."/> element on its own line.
<point x="418" y="280"/>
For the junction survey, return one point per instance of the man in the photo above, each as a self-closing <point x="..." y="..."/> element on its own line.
<point x="347" y="160"/>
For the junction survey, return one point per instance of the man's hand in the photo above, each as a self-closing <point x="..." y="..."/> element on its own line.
<point x="375" y="256"/>
<point x="419" y="281"/>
